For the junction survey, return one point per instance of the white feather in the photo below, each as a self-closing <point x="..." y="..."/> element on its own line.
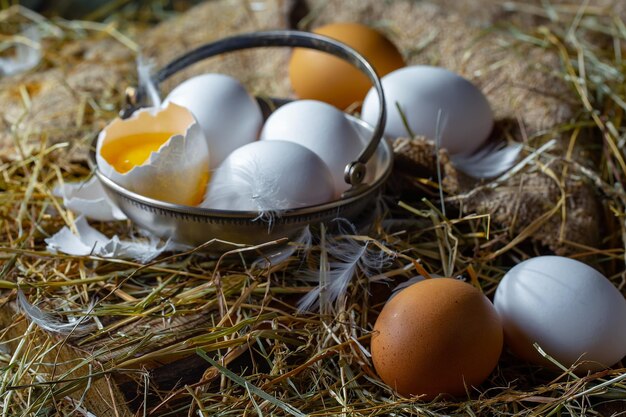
<point x="302" y="243"/>
<point x="47" y="322"/>
<point x="488" y="162"/>
<point x="247" y="187"/>
<point x="27" y="52"/>
<point x="442" y="121"/>
<point x="146" y="83"/>
<point x="348" y="255"/>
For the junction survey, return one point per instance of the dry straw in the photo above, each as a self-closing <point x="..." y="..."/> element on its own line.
<point x="192" y="335"/>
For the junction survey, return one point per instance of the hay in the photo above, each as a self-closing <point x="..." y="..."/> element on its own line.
<point x="192" y="335"/>
<point x="75" y="90"/>
<point x="80" y="83"/>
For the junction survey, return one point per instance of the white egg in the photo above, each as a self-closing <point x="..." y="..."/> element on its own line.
<point x="159" y="153"/>
<point x="229" y="116"/>
<point x="421" y="92"/>
<point x="571" y="310"/>
<point x="267" y="176"/>
<point x="321" y="128"/>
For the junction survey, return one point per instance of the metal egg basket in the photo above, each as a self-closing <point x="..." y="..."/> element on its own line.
<point x="195" y="225"/>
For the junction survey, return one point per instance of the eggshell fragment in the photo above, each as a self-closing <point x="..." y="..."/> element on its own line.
<point x="321" y="128"/>
<point x="421" y="92"/>
<point x="267" y="176"/>
<point x="321" y="76"/>
<point x="438" y="336"/>
<point x="568" y="308"/>
<point x="177" y="172"/>
<point x="229" y="116"/>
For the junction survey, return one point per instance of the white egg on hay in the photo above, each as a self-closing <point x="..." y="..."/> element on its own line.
<point x="320" y="127"/>
<point x="419" y="94"/>
<point x="159" y="153"/>
<point x="447" y="108"/>
<point x="269" y="176"/>
<point x="229" y="116"/>
<point x="569" y="309"/>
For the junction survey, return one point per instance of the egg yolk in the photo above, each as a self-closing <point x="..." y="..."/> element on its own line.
<point x="131" y="151"/>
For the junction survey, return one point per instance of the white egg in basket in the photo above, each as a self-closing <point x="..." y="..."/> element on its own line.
<point x="228" y="115"/>
<point x="270" y="175"/>
<point x="320" y="127"/>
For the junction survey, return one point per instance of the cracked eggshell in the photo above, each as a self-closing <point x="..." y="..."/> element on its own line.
<point x="177" y="172"/>
<point x="421" y="91"/>
<point x="320" y="127"/>
<point x="229" y="116"/>
<point x="267" y="176"/>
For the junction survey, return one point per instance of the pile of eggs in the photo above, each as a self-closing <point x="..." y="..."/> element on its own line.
<point x="444" y="336"/>
<point x="207" y="144"/>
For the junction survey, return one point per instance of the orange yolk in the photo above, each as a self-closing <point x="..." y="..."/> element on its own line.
<point x="131" y="151"/>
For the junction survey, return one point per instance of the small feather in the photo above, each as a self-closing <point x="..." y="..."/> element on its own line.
<point x="27" y="52"/>
<point x="247" y="187"/>
<point x="146" y="83"/>
<point x="303" y="243"/>
<point x="442" y="121"/>
<point x="47" y="322"/>
<point x="489" y="162"/>
<point x="334" y="276"/>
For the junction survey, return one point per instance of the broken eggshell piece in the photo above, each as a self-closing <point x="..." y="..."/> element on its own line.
<point x="175" y="171"/>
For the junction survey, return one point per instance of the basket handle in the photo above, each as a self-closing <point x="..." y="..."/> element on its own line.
<point x="355" y="171"/>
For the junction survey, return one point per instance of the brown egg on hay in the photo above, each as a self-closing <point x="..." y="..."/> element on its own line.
<point x="438" y="336"/>
<point x="321" y="76"/>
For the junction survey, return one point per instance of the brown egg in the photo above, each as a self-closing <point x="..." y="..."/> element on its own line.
<point x="321" y="76"/>
<point x="439" y="336"/>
